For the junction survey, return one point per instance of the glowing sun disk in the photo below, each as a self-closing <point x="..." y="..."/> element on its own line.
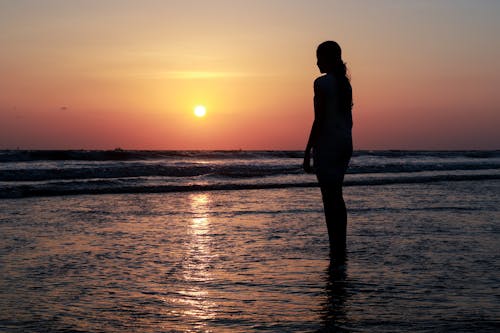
<point x="200" y="111"/>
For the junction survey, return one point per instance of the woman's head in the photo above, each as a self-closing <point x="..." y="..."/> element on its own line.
<point x="329" y="57"/>
<point x="330" y="61"/>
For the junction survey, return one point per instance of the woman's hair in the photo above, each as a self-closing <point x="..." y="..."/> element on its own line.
<point x="329" y="56"/>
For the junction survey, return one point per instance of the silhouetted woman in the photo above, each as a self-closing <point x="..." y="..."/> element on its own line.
<point x="331" y="140"/>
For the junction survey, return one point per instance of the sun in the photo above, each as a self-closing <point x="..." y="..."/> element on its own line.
<point x="200" y="111"/>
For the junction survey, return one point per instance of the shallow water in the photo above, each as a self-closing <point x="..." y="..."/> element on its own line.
<point x="422" y="257"/>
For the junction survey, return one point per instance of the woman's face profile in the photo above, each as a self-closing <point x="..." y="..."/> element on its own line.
<point x="321" y="66"/>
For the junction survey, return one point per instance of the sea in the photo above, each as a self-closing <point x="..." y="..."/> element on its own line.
<point x="235" y="241"/>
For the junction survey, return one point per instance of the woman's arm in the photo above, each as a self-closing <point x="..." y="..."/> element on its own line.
<point x="310" y="143"/>
<point x="313" y="135"/>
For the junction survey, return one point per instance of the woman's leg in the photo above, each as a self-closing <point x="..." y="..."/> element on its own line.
<point x="331" y="179"/>
<point x="335" y="215"/>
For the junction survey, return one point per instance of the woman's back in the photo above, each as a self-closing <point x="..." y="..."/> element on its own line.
<point x="333" y="100"/>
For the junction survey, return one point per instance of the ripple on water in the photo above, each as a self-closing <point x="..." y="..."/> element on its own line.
<point x="252" y="261"/>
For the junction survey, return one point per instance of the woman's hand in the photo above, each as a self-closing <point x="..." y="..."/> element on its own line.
<point x="307" y="161"/>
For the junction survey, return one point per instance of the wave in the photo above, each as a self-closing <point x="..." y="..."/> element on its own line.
<point x="40" y="173"/>
<point x="121" y="187"/>
<point x="122" y="171"/>
<point x="129" y="155"/>
<point x="430" y="153"/>
<point x="219" y="170"/>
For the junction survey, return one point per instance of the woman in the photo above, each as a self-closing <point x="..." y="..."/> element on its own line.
<point x="331" y="140"/>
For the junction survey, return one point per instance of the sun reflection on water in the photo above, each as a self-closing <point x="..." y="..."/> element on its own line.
<point x="199" y="258"/>
<point x="199" y="207"/>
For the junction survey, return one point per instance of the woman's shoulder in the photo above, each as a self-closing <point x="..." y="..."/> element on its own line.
<point x="324" y="82"/>
<point x="323" y="78"/>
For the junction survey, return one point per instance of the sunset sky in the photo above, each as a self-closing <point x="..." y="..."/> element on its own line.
<point x="108" y="74"/>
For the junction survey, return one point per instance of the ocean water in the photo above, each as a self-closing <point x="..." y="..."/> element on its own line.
<point x="48" y="173"/>
<point x="220" y="251"/>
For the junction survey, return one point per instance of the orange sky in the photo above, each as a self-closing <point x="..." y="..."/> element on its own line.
<point x="107" y="74"/>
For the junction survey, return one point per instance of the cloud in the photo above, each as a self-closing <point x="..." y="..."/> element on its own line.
<point x="188" y="75"/>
